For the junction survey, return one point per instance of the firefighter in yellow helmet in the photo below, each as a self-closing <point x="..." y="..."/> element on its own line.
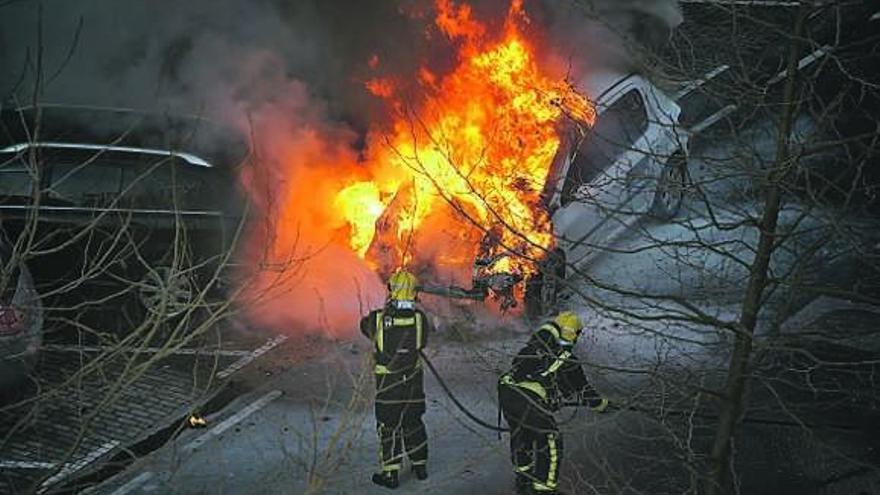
<point x="398" y="332"/>
<point x="543" y="375"/>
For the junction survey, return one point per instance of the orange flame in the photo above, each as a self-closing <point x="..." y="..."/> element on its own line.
<point x="473" y="153"/>
<point x="469" y="156"/>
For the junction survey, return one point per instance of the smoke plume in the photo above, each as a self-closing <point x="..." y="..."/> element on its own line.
<point x="607" y="35"/>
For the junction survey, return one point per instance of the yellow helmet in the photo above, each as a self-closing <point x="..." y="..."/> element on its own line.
<point x="402" y="286"/>
<point x="569" y="324"/>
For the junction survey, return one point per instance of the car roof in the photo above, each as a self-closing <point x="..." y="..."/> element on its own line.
<point x="110" y="148"/>
<point x="597" y="84"/>
<point x="85" y="127"/>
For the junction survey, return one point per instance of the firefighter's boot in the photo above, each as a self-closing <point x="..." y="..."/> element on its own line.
<point x="421" y="471"/>
<point x="388" y="479"/>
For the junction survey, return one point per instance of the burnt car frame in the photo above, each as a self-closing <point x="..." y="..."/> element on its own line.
<point x="631" y="163"/>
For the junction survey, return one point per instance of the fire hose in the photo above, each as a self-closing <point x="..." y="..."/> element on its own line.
<point x="458" y="403"/>
<point x="626" y="407"/>
<point x="467" y="412"/>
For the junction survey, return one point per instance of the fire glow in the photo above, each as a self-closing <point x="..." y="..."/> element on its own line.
<point x="463" y="151"/>
<point x="478" y="145"/>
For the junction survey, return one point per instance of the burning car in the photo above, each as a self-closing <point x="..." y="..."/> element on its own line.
<point x="120" y="198"/>
<point x="21" y="320"/>
<point x="630" y="163"/>
<point x="498" y="146"/>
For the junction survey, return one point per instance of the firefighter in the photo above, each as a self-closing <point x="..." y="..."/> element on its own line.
<point x="398" y="332"/>
<point x="543" y="375"/>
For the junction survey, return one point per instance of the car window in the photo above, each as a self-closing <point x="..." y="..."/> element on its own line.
<point x="82" y="182"/>
<point x="170" y="185"/>
<point x="16" y="180"/>
<point x="615" y="131"/>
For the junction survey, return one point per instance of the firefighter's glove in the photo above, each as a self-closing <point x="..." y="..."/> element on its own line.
<point x="601" y="407"/>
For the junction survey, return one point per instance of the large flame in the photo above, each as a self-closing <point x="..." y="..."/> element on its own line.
<point x="461" y="159"/>
<point x="478" y="144"/>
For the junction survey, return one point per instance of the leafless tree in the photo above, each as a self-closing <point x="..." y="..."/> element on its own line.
<point x="763" y="214"/>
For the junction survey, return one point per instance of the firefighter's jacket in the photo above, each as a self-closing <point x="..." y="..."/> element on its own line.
<point x="550" y="372"/>
<point x="398" y="331"/>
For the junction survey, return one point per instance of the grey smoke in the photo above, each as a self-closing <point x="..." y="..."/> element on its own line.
<point x="197" y="55"/>
<point x="609" y="34"/>
<point x="193" y="56"/>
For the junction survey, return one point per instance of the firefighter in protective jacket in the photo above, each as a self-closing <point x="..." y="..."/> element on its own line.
<point x="544" y="374"/>
<point x="398" y="332"/>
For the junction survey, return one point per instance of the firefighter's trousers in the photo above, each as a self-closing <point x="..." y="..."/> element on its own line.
<point x="535" y="443"/>
<point x="400" y="404"/>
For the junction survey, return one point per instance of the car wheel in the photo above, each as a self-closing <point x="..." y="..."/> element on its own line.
<point x="671" y="187"/>
<point x="542" y="289"/>
<point x="174" y="287"/>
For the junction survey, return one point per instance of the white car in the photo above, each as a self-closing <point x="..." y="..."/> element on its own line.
<point x="632" y="162"/>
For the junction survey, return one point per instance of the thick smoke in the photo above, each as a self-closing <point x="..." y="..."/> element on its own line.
<point x="295" y="275"/>
<point x="607" y="35"/>
<point x="200" y="56"/>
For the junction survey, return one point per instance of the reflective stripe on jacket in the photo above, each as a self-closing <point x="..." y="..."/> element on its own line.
<point x="398" y="334"/>
<point x="548" y="369"/>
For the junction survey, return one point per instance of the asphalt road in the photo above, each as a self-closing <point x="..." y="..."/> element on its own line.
<point x="315" y="433"/>
<point x="307" y="427"/>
